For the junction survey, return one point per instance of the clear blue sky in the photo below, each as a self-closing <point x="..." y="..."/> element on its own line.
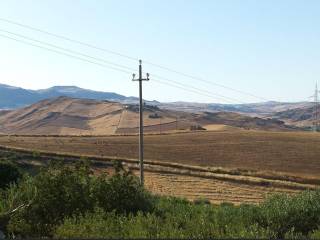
<point x="269" y="48"/>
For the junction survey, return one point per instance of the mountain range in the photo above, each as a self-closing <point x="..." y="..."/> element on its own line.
<point x="16" y="97"/>
<point x="299" y="114"/>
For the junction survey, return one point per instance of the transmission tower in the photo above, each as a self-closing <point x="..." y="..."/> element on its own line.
<point x="316" y="115"/>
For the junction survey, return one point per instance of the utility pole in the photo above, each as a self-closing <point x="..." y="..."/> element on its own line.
<point x="140" y="79"/>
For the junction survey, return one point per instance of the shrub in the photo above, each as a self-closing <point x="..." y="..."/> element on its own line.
<point x="121" y="193"/>
<point x="59" y="192"/>
<point x="98" y="225"/>
<point x="9" y="173"/>
<point x="299" y="214"/>
<point x="71" y="202"/>
<point x="63" y="191"/>
<point x="179" y="219"/>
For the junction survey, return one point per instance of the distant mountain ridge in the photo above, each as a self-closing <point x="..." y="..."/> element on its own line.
<point x="259" y="109"/>
<point x="15" y="97"/>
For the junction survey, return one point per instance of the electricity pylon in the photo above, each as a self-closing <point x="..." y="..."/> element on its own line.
<point x="315" y="114"/>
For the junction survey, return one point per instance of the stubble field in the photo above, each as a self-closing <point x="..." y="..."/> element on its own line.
<point x="294" y="153"/>
<point x="232" y="166"/>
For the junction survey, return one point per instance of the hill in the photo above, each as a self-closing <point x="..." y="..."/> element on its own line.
<point x="15" y="97"/>
<point x="75" y="116"/>
<point x="301" y="117"/>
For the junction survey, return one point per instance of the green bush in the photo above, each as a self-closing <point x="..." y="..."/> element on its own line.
<point x="63" y="191"/>
<point x="70" y="202"/>
<point x="9" y="173"/>
<point x="299" y="214"/>
<point x="280" y="216"/>
<point x="121" y="193"/>
<point x="186" y="221"/>
<point x="59" y="192"/>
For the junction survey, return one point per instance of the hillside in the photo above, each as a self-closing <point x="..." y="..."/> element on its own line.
<point x="301" y="117"/>
<point x="74" y="116"/>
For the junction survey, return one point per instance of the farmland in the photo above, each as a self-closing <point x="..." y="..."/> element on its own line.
<point x="292" y="153"/>
<point x="191" y="182"/>
<point x="220" y="166"/>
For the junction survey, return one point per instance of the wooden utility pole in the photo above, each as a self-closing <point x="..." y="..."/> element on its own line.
<point x="140" y="79"/>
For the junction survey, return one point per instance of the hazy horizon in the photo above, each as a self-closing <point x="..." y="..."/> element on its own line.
<point x="177" y="101"/>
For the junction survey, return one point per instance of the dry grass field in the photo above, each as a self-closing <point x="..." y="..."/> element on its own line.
<point x="192" y="182"/>
<point x="292" y="153"/>
<point x="217" y="191"/>
<point x="230" y="165"/>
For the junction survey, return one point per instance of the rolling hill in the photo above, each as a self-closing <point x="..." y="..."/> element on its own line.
<point x="76" y="116"/>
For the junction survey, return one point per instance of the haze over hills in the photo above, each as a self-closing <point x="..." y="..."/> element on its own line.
<point x="74" y="116"/>
<point x="15" y="97"/>
<point x="254" y="109"/>
<point x="300" y="117"/>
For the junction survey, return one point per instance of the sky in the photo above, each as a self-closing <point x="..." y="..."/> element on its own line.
<point x="269" y="49"/>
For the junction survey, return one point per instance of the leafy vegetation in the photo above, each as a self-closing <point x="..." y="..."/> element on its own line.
<point x="69" y="201"/>
<point x="9" y="173"/>
<point x="61" y="191"/>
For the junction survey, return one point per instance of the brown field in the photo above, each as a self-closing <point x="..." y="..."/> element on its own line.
<point x="179" y="180"/>
<point x="235" y="166"/>
<point x="216" y="191"/>
<point x="293" y="153"/>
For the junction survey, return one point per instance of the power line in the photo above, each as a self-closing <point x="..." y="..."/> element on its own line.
<point x="131" y="58"/>
<point x="198" y="89"/>
<point x="92" y="62"/>
<point x="186" y="89"/>
<point x="65" y="54"/>
<point x="182" y="86"/>
<point x="66" y="49"/>
<point x="206" y="81"/>
<point x="68" y="39"/>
